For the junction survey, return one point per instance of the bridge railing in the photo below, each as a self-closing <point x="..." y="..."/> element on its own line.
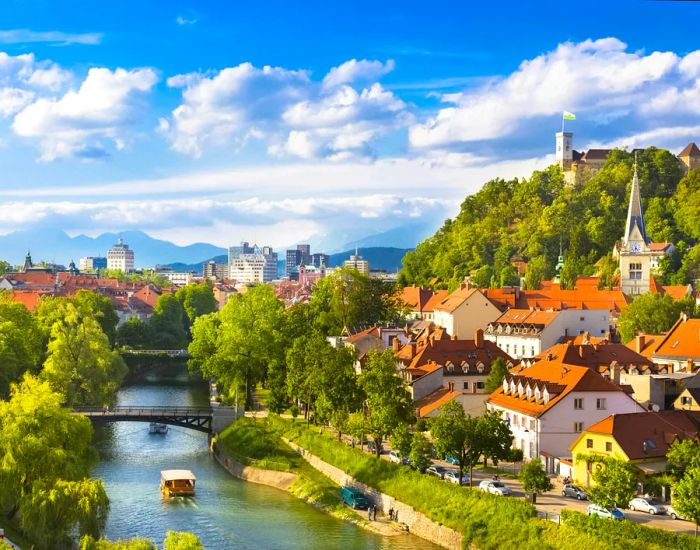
<point x="145" y="411"/>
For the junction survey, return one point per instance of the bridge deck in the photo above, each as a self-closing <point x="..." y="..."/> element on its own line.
<point x="196" y="418"/>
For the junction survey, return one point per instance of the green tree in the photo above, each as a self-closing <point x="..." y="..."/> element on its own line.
<point x="421" y="451"/>
<point x="401" y="439"/>
<point x="46" y="455"/>
<point x="197" y="300"/>
<point x="498" y="372"/>
<point x="534" y="478"/>
<point x="650" y="313"/>
<point x="134" y="334"/>
<point x="495" y="437"/>
<point x="182" y="541"/>
<point x="167" y="325"/>
<point x="100" y="308"/>
<point x="686" y="495"/>
<point x="608" y="273"/>
<point x="90" y="543"/>
<point x="5" y="267"/>
<point x="387" y="402"/>
<point x="683" y="455"/>
<point x="80" y="363"/>
<point x="615" y="483"/>
<point x="20" y="343"/>
<point x="237" y="344"/>
<point x="481" y="278"/>
<point x="537" y="271"/>
<point x="457" y="435"/>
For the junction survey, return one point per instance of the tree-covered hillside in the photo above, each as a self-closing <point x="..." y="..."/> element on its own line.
<point x="532" y="217"/>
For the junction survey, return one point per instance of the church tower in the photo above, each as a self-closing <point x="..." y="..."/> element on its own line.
<point x="565" y="150"/>
<point x="635" y="251"/>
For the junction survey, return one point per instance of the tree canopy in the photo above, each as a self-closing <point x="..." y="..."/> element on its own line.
<point x="533" y="217"/>
<point x="652" y="313"/>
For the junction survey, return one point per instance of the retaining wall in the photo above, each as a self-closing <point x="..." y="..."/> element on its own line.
<point x="416" y="522"/>
<point x="279" y="480"/>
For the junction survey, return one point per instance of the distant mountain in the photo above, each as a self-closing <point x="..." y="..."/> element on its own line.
<point x="380" y="257"/>
<point x="402" y="237"/>
<point x="56" y="246"/>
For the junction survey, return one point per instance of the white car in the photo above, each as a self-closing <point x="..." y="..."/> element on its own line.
<point x="671" y="511"/>
<point x="495" y="487"/>
<point x="453" y="477"/>
<point x="600" y="511"/>
<point x="650" y="505"/>
<point x="395" y="456"/>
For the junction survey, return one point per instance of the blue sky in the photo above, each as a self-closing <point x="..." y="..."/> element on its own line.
<point x="287" y="121"/>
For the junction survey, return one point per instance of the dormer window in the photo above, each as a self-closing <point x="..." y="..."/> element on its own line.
<point x="506" y="387"/>
<point x="480" y="367"/>
<point x="513" y="389"/>
<point x="538" y="394"/>
<point x="521" y="389"/>
<point x="545" y="396"/>
<point x="528" y="392"/>
<point x="450" y="368"/>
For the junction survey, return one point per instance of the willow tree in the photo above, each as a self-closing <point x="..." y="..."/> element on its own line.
<point x="80" y="362"/>
<point x="45" y="460"/>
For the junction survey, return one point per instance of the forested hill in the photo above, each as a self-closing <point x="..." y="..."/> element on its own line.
<point x="531" y="217"/>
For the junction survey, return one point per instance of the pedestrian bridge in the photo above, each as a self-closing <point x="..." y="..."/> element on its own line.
<point x="201" y="419"/>
<point x="157" y="352"/>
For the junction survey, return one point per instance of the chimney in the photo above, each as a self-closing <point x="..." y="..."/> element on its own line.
<point x="479" y="338"/>
<point x="412" y="349"/>
<point x="463" y="286"/>
<point x="615" y="371"/>
<point x="395" y="344"/>
<point x="641" y="341"/>
<point x="453" y="337"/>
<point x="451" y="386"/>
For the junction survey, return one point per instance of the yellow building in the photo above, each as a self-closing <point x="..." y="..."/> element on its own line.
<point x="688" y="400"/>
<point x="641" y="439"/>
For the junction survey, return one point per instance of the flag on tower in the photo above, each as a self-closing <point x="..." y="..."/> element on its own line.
<point x="569" y="116"/>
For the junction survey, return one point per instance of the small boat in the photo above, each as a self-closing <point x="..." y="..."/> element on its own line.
<point x="158" y="428"/>
<point x="177" y="482"/>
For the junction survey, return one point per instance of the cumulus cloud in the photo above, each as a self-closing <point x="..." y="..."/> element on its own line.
<point x="598" y="78"/>
<point x="296" y="114"/>
<point x="23" y="36"/>
<point x="83" y="121"/>
<point x="184" y="21"/>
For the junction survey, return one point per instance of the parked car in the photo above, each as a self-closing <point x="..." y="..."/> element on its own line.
<point x="354" y="498"/>
<point x="495" y="487"/>
<point x="452" y="476"/>
<point x="437" y="471"/>
<point x="422" y="469"/>
<point x="650" y="505"/>
<point x="372" y="447"/>
<point x="671" y="511"/>
<point x="573" y="491"/>
<point x="395" y="456"/>
<point x="451" y="459"/>
<point x="600" y="511"/>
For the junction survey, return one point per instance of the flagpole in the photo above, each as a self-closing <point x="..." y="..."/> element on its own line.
<point x="562" y="123"/>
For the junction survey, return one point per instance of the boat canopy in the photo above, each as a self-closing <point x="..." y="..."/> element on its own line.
<point x="173" y="475"/>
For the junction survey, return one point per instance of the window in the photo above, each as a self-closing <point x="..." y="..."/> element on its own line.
<point x="578" y="427"/>
<point x="589" y="443"/>
<point x="578" y="403"/>
<point x="466" y="385"/>
<point x="636" y="271"/>
<point x="523" y="350"/>
<point x="608" y="447"/>
<point x="581" y="319"/>
<point x="532" y="351"/>
<point x="479" y="385"/>
<point x="600" y="403"/>
<point x="507" y="348"/>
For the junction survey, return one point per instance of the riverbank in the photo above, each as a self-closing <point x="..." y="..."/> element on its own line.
<point x="251" y="450"/>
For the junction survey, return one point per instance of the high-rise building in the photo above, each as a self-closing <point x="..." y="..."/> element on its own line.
<point x="92" y="263"/>
<point x="305" y="250"/>
<point x="236" y="251"/>
<point x="357" y="262"/>
<point x="212" y="270"/>
<point x="292" y="260"/>
<point x="120" y="257"/>
<point x="320" y="260"/>
<point x="256" y="265"/>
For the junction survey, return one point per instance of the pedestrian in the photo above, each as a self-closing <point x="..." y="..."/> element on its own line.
<point x="396" y="516"/>
<point x="391" y="514"/>
<point x="369" y="513"/>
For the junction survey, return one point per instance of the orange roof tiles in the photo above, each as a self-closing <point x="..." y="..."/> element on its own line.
<point x="682" y="341"/>
<point x="561" y="378"/>
<point x="527" y="317"/>
<point x="435" y="299"/>
<point x="595" y="356"/>
<point x="29" y="298"/>
<point x="434" y="400"/>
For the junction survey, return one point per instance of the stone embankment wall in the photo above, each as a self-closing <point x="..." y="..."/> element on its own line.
<point x="418" y="524"/>
<point x="279" y="480"/>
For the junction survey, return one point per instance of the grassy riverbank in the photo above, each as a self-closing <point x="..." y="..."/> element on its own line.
<point x="486" y="521"/>
<point x="258" y="443"/>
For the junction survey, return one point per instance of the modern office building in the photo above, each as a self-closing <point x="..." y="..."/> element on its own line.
<point x="255" y="265"/>
<point x="121" y="257"/>
<point x="320" y="260"/>
<point x="92" y="263"/>
<point x="357" y="262"/>
<point x="212" y="270"/>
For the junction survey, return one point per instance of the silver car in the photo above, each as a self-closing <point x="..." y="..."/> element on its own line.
<point x="453" y="477"/>
<point x="495" y="487"/>
<point x="671" y="511"/>
<point x="644" y="504"/>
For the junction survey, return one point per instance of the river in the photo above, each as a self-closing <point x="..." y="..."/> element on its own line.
<point x="226" y="512"/>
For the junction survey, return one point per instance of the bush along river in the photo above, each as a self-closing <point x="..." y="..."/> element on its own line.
<point x="226" y="513"/>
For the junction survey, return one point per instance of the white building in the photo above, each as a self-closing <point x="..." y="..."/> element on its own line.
<point x="550" y="403"/>
<point x="92" y="263"/>
<point x="527" y="332"/>
<point x="253" y="268"/>
<point x="178" y="278"/>
<point x="120" y="257"/>
<point x="357" y="262"/>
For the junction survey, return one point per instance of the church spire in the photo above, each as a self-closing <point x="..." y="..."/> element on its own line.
<point x="635" y="214"/>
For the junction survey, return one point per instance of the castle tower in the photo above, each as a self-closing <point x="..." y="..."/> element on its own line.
<point x="565" y="150"/>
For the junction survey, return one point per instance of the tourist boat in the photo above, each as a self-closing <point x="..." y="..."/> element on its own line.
<point x="177" y="482"/>
<point x="158" y="428"/>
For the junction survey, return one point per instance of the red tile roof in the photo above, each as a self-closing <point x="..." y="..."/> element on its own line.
<point x="30" y="298"/>
<point x="434" y="400"/>
<point x="682" y="342"/>
<point x="690" y="150"/>
<point x="598" y="357"/>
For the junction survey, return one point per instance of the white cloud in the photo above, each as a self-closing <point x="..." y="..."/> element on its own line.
<point x="354" y="70"/>
<point x="82" y="121"/>
<point x="297" y="115"/>
<point x="22" y="36"/>
<point x="183" y="21"/>
<point x="595" y="77"/>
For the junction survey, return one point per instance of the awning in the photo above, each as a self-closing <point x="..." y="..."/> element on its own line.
<point x="652" y="467"/>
